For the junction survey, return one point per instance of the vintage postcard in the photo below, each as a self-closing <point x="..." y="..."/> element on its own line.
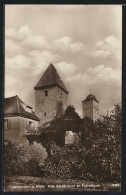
<point x="62" y="101"/>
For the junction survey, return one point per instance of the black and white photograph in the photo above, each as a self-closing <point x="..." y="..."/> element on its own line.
<point x="62" y="98"/>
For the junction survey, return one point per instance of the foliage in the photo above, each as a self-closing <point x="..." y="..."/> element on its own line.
<point x="87" y="131"/>
<point x="72" y="114"/>
<point x="33" y="168"/>
<point x="13" y="159"/>
<point x="32" y="129"/>
<point x="22" y="160"/>
<point x="46" y="138"/>
<point x="64" y="163"/>
<point x="96" y="157"/>
<point x="37" y="152"/>
<point x="104" y="147"/>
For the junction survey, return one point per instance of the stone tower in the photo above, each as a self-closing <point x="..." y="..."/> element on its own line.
<point x="51" y="96"/>
<point x="90" y="107"/>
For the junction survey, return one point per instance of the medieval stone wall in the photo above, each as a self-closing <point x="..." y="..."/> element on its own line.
<point x="62" y="101"/>
<point x="90" y="109"/>
<point x="87" y="108"/>
<point x="51" y="105"/>
<point x="95" y="110"/>
<point x="45" y="106"/>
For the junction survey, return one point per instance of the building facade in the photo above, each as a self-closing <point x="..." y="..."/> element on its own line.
<point x="18" y="119"/>
<point x="51" y="96"/>
<point x="90" y="107"/>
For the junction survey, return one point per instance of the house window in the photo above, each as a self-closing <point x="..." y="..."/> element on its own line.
<point x="30" y="125"/>
<point x="46" y="93"/>
<point x="6" y="124"/>
<point x="44" y="113"/>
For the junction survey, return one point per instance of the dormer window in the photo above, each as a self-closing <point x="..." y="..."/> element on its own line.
<point x="46" y="93"/>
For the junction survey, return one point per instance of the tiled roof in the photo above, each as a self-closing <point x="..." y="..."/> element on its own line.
<point x="50" y="78"/>
<point x="14" y="106"/>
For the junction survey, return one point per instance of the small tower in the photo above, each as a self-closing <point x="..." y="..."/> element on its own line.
<point x="51" y="96"/>
<point x="90" y="107"/>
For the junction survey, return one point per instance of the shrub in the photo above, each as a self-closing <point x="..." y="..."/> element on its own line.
<point x="17" y="163"/>
<point x="13" y="159"/>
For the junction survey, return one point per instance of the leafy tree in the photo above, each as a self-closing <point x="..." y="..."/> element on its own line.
<point x="97" y="157"/>
<point x="87" y="131"/>
<point x="104" y="151"/>
<point x="64" y="163"/>
<point x="72" y="119"/>
<point x="71" y="113"/>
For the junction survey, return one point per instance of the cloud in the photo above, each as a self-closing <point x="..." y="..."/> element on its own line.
<point x="77" y="46"/>
<point x="63" y="43"/>
<point x="27" y="38"/>
<point x="20" y="34"/>
<point x="100" y="53"/>
<point x="99" y="74"/>
<point x="24" y="32"/>
<point x="110" y="46"/>
<point x="12" y="47"/>
<point x="11" y="33"/>
<point x="36" y="61"/>
<point x="66" y="44"/>
<point x="18" y="62"/>
<point x="35" y="42"/>
<point x="104" y="82"/>
<point x="65" y="67"/>
<point x="66" y="30"/>
<point x="11" y="83"/>
<point x="42" y="59"/>
<point x="9" y="80"/>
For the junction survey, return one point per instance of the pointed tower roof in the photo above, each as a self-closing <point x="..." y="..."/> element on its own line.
<point x="50" y="78"/>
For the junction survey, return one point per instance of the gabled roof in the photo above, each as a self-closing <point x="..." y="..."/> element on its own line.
<point x="50" y="78"/>
<point x="14" y="106"/>
<point x="90" y="97"/>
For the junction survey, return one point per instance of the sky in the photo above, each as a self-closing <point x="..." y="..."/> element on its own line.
<point x="83" y="42"/>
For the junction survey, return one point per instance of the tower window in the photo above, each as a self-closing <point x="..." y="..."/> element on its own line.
<point x="46" y="93"/>
<point x="44" y="113"/>
<point x="61" y="95"/>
